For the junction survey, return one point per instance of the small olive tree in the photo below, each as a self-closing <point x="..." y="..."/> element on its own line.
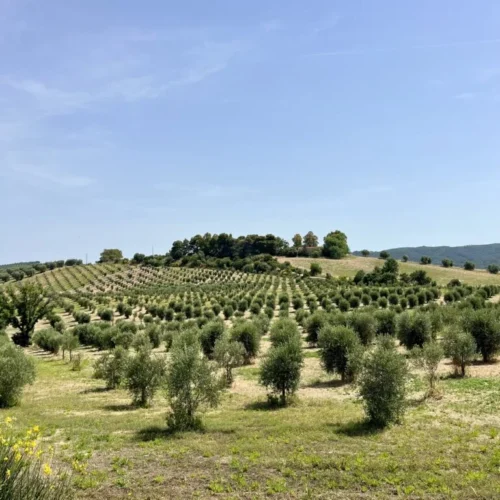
<point x="16" y="370"/>
<point x="383" y="385"/>
<point x="192" y="385"/>
<point x="340" y="351"/>
<point x="460" y="347"/>
<point x="229" y="354"/>
<point x="112" y="367"/>
<point x="428" y="358"/>
<point x="280" y="370"/>
<point x="144" y="375"/>
<point x="248" y="334"/>
<point x="284" y="330"/>
<point x="69" y="342"/>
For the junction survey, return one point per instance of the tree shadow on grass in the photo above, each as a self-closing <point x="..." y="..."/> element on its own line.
<point x="264" y="406"/>
<point x="326" y="384"/>
<point x="122" y="407"/>
<point x="153" y="433"/>
<point x="95" y="390"/>
<point x="356" y="428"/>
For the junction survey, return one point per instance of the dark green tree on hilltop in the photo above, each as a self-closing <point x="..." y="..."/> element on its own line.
<point x="335" y="245"/>
<point x="111" y="255"/>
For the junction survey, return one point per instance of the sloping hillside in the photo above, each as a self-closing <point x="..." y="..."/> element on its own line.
<point x="481" y="255"/>
<point x="351" y="264"/>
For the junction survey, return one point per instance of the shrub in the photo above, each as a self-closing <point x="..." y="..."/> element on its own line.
<point x="493" y="269"/>
<point x="469" y="266"/>
<point x="447" y="263"/>
<point x="428" y="358"/>
<point x="105" y="314"/>
<point x="280" y="370"/>
<point x="313" y="326"/>
<point x="384" y="255"/>
<point x="484" y="326"/>
<point x="192" y="385"/>
<point x="365" y="325"/>
<point x="343" y="305"/>
<point x="48" y="339"/>
<point x="16" y="370"/>
<point x="228" y="354"/>
<point x="386" y="322"/>
<point x="383" y="386"/>
<point x="228" y="311"/>
<point x="112" y="367"/>
<point x="424" y="260"/>
<point x="414" y="330"/>
<point x="154" y="334"/>
<point x="382" y="302"/>
<point x="269" y="312"/>
<point x="316" y="269"/>
<point x="247" y="333"/>
<point x="297" y="303"/>
<point x="460" y="347"/>
<point x="340" y="351"/>
<point x="354" y="302"/>
<point x="210" y="333"/>
<point x="284" y="330"/>
<point x="144" y="375"/>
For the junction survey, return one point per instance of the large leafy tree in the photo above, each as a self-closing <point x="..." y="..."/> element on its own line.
<point x="297" y="241"/>
<point x="335" y="245"/>
<point x="22" y="307"/>
<point x="310" y="240"/>
<point x="111" y="255"/>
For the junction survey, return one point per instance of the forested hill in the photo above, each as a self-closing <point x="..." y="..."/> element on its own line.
<point x="481" y="255"/>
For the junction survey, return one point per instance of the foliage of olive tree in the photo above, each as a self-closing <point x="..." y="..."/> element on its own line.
<point x="23" y="307"/>
<point x="460" y="347"/>
<point x="228" y="354"/>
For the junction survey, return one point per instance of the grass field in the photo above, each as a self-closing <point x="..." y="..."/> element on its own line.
<point x="316" y="448"/>
<point x="351" y="265"/>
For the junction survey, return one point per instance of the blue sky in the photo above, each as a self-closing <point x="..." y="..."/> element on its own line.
<point x="130" y="124"/>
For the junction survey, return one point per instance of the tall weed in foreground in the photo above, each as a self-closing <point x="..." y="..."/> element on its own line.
<point x="23" y="473"/>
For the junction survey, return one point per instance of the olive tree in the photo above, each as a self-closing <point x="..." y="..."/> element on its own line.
<point x="228" y="354"/>
<point x="460" y="347"/>
<point x="383" y="385"/>
<point x="484" y="326"/>
<point x="16" y="370"/>
<point x="192" y="384"/>
<point x="23" y="306"/>
<point x="280" y="370"/>
<point x="144" y="375"/>
<point x="428" y="358"/>
<point x="112" y="367"/>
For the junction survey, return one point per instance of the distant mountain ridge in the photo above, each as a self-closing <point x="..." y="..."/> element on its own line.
<point x="481" y="255"/>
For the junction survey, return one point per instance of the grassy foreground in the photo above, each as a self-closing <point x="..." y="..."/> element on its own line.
<point x="352" y="264"/>
<point x="316" y="448"/>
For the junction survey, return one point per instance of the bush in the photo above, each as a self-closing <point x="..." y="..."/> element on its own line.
<point x="384" y="255"/>
<point x="484" y="326"/>
<point x="48" y="339"/>
<point x="280" y="370"/>
<point x="16" y="370"/>
<point x="210" y="333"/>
<point x="316" y="269"/>
<point x="192" y="385"/>
<point x="424" y="260"/>
<point x="365" y="325"/>
<point x="284" y="330"/>
<point x="447" y="263"/>
<point x="414" y="330"/>
<point x="112" y="367"/>
<point x="386" y="322"/>
<point x="228" y="311"/>
<point x="313" y="326"/>
<point x="228" y="354"/>
<point x="340" y="351"/>
<point x="428" y="358"/>
<point x="383" y="385"/>
<point x="247" y="333"/>
<point x="144" y="375"/>
<point x="460" y="347"/>
<point x="81" y="317"/>
<point x="493" y="269"/>
<point x="154" y="334"/>
<point x="382" y="302"/>
<point x="105" y="314"/>
<point x="469" y="266"/>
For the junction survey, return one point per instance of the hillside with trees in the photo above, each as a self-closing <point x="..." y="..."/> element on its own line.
<point x="481" y="255"/>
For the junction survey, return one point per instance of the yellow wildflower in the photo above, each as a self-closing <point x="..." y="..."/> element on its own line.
<point x="8" y="473"/>
<point x="47" y="470"/>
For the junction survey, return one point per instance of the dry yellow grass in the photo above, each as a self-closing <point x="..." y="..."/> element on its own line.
<point x="351" y="265"/>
